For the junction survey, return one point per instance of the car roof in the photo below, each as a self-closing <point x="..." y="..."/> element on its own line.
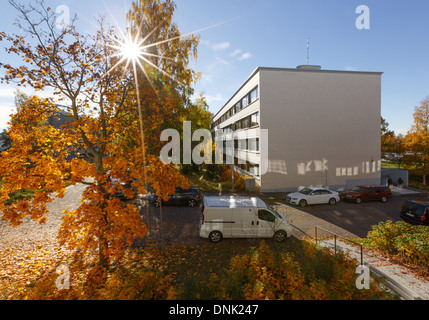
<point x="420" y="202"/>
<point x="190" y="189"/>
<point x="233" y="202"/>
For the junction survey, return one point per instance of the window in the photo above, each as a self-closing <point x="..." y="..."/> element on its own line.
<point x="253" y="95"/>
<point x="254" y="119"/>
<point x="254" y="170"/>
<point x="238" y="107"/>
<point x="266" y="216"/>
<point x="245" y="123"/>
<point x="253" y="144"/>
<point x="242" y="144"/>
<point x="244" y="102"/>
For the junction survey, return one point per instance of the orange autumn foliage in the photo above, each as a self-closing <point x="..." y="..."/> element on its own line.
<point x="100" y="142"/>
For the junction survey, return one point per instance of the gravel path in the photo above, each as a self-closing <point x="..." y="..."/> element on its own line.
<point x="28" y="250"/>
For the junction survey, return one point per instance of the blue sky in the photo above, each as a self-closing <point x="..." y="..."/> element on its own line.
<point x="245" y="34"/>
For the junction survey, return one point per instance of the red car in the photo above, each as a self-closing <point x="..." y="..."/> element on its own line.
<point x="367" y="193"/>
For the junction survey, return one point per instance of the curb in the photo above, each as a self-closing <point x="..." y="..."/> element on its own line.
<point x="404" y="292"/>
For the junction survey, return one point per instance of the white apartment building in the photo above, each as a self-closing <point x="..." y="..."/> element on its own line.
<point x="292" y="128"/>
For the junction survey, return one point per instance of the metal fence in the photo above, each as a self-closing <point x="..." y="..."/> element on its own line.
<point x="336" y="236"/>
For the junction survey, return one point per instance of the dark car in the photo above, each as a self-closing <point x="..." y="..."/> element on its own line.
<point x="181" y="197"/>
<point x="415" y="212"/>
<point x="119" y="187"/>
<point x="367" y="193"/>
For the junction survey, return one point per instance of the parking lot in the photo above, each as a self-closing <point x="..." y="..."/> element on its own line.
<point x="345" y="218"/>
<point x="181" y="224"/>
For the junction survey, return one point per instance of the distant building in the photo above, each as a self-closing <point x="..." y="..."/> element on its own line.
<point x="323" y="128"/>
<point x="60" y="119"/>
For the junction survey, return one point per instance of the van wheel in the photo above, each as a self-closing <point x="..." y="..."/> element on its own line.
<point x="384" y="199"/>
<point x="332" y="202"/>
<point x="215" y="236"/>
<point x="280" y="236"/>
<point x="358" y="200"/>
<point x="192" y="203"/>
<point x="303" y="203"/>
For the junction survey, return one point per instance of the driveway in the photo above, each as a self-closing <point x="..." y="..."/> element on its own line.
<point x="346" y="219"/>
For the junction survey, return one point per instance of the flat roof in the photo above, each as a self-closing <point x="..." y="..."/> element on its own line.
<point x="233" y="202"/>
<point x="258" y="69"/>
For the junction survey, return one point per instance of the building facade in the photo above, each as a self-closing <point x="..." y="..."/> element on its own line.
<point x="292" y="128"/>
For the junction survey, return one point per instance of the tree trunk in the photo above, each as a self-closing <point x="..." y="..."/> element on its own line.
<point x="102" y="258"/>
<point x="102" y="241"/>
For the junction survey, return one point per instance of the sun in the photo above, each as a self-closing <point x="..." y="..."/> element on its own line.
<point x="132" y="50"/>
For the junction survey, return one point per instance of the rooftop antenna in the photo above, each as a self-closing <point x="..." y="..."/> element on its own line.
<point x="308" y="51"/>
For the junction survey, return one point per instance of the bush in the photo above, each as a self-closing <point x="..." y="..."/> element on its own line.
<point x="383" y="235"/>
<point x="266" y="272"/>
<point x="410" y="242"/>
<point x="226" y="176"/>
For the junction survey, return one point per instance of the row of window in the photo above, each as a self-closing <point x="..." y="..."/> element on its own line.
<point x="251" y="168"/>
<point x="244" y="144"/>
<point x="248" y="167"/>
<point x="251" y="97"/>
<point x="248" y="122"/>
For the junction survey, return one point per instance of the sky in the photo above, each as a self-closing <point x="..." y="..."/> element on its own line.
<point x="237" y="36"/>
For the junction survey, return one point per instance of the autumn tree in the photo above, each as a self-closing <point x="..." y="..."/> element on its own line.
<point x="88" y="76"/>
<point x="392" y="145"/>
<point x="417" y="140"/>
<point x="387" y="137"/>
<point x="166" y="97"/>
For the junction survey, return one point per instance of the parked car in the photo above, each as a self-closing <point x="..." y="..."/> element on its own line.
<point x="313" y="195"/>
<point x="415" y="212"/>
<point x="191" y="198"/>
<point x="119" y="187"/>
<point x="359" y="194"/>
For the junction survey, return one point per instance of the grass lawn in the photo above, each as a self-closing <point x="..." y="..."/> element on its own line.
<point x="391" y="165"/>
<point x="415" y="179"/>
<point x="22" y="194"/>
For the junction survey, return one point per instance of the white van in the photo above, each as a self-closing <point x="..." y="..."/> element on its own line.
<point x="241" y="217"/>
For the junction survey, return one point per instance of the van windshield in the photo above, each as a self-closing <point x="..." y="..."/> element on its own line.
<point x="273" y="211"/>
